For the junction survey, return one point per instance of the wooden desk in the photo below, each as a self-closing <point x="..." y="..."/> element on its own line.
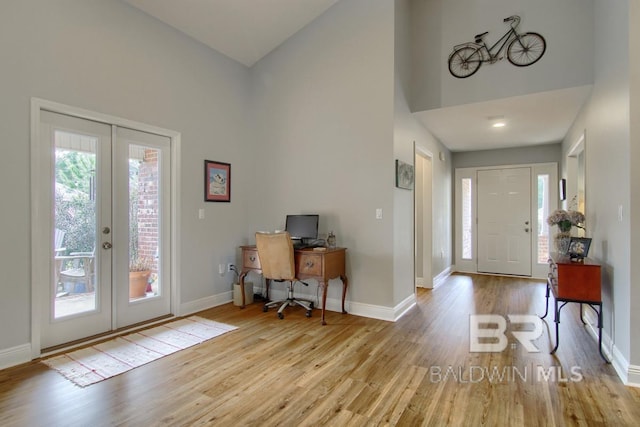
<point x="574" y="281"/>
<point x="310" y="264"/>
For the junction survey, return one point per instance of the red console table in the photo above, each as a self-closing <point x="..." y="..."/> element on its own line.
<point x="574" y="281"/>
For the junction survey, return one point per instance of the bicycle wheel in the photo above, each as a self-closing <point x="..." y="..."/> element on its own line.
<point x="464" y="62"/>
<point x="527" y="49"/>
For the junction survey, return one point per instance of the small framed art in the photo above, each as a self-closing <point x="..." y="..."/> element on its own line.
<point x="217" y="181"/>
<point x="579" y="247"/>
<point x="404" y="175"/>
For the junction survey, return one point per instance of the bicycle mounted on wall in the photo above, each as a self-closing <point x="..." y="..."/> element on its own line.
<point x="523" y="49"/>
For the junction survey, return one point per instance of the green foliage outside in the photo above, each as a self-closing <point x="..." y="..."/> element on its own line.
<point x="75" y="205"/>
<point x="74" y="209"/>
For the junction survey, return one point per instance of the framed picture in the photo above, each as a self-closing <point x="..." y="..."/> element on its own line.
<point x="579" y="247"/>
<point x="562" y="189"/>
<point x="217" y="181"/>
<point x="404" y="175"/>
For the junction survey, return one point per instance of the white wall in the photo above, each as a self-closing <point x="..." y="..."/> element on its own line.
<point x="605" y="120"/>
<point x="565" y="25"/>
<point x="323" y="118"/>
<point x="108" y="57"/>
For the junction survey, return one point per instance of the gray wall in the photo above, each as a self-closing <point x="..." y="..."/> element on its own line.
<point x="323" y="109"/>
<point x="108" y="57"/>
<point x="566" y="25"/>
<point x="634" y="159"/>
<point x="605" y="120"/>
<point x="407" y="131"/>
<point x="510" y="156"/>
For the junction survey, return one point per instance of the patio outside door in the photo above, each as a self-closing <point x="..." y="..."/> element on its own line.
<point x="108" y="189"/>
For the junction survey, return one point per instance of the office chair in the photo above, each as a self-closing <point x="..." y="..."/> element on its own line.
<point x="277" y="261"/>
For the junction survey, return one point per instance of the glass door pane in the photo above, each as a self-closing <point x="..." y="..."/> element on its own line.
<point x="141" y="212"/>
<point x="74" y="280"/>
<point x="74" y="197"/>
<point x="144" y="220"/>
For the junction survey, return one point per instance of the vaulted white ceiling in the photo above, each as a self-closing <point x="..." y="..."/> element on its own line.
<point x="247" y="30"/>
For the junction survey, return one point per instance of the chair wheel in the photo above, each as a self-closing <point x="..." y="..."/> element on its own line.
<point x="265" y="308"/>
<point x="308" y="314"/>
<point x="280" y="316"/>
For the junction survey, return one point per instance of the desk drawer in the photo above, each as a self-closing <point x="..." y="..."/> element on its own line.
<point x="250" y="259"/>
<point x="309" y="264"/>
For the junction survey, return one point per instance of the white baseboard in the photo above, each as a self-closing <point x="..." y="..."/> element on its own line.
<point x="440" y="278"/>
<point x="633" y="379"/>
<point x="628" y="374"/>
<point x="205" y="303"/>
<point x="15" y="356"/>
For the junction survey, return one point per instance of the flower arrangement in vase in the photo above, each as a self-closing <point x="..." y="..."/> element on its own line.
<point x="565" y="220"/>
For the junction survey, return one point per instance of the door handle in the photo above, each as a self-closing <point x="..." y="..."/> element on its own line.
<point x="526" y="230"/>
<point x="526" y="223"/>
<point x="106" y="245"/>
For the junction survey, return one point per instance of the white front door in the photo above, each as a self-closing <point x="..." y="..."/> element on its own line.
<point x="504" y="221"/>
<point x="104" y="195"/>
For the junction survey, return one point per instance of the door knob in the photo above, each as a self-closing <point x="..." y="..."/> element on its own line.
<point x="526" y="223"/>
<point x="106" y="245"/>
<point x="106" y="230"/>
<point x="526" y="230"/>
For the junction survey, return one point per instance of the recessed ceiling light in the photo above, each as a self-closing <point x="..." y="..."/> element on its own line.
<point x="497" y="121"/>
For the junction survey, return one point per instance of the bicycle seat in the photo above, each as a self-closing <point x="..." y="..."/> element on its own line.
<point x="480" y="36"/>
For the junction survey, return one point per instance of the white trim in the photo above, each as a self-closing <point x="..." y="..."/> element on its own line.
<point x="390" y="314"/>
<point x="628" y="374"/>
<point x="442" y="277"/>
<point x="633" y="378"/>
<point x="205" y="303"/>
<point x="39" y="272"/>
<point x="15" y="356"/>
<point x="404" y="306"/>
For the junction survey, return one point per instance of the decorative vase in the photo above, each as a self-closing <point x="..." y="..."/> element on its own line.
<point x="562" y="241"/>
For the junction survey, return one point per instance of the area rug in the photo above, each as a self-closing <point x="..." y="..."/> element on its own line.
<point x="105" y="360"/>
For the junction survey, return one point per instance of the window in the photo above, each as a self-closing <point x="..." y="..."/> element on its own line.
<point x="543" y="214"/>
<point x="467" y="220"/>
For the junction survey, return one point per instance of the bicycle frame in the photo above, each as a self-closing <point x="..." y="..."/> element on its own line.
<point x="485" y="51"/>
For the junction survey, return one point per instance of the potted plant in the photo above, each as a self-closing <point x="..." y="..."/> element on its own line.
<point x="139" y="271"/>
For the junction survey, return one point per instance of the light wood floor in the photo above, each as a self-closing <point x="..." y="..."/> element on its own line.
<point x="354" y="371"/>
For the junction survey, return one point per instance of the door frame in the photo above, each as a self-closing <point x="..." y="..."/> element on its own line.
<point x="423" y="282"/>
<point x="471" y="265"/>
<point x="41" y="217"/>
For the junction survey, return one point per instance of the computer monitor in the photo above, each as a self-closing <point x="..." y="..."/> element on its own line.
<point x="302" y="227"/>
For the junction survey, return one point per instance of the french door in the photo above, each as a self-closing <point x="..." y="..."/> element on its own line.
<point x="504" y="221"/>
<point x="104" y="194"/>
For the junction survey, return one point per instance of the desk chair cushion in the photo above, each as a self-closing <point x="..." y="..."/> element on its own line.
<point x="276" y="255"/>
<point x="277" y="261"/>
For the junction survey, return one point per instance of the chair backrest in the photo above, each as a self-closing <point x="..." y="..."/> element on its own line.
<point x="275" y="251"/>
<point x="58" y="238"/>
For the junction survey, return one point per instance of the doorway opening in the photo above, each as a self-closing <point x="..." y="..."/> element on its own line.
<point x="423" y="219"/>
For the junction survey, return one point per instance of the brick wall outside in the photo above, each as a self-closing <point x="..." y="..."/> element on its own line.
<point x="148" y="208"/>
